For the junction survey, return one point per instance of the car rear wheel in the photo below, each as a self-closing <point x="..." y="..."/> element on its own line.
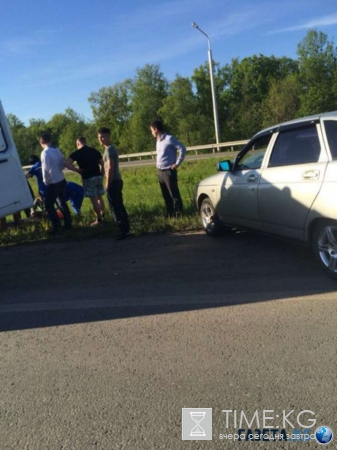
<point x="325" y="246"/>
<point x="210" y="220"/>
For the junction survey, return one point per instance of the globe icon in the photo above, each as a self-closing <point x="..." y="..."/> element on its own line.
<point x="323" y="435"/>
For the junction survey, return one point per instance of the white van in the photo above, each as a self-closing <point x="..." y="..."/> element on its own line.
<point x="14" y="191"/>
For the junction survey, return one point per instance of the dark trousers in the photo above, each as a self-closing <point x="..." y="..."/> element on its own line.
<point x="168" y="182"/>
<point x="117" y="208"/>
<point x="27" y="211"/>
<point x="56" y="193"/>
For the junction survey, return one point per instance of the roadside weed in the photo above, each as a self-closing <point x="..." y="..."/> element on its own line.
<point x="143" y="201"/>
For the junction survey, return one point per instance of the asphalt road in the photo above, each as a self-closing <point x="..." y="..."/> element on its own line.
<point x="103" y="342"/>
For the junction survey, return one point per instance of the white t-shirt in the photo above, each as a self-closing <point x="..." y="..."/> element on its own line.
<point x="52" y="162"/>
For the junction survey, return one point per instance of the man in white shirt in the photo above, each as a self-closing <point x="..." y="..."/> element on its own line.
<point x="170" y="155"/>
<point x="52" y="162"/>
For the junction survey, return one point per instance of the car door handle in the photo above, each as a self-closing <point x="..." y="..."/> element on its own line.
<point x="3" y="161"/>
<point x="252" y="178"/>
<point x="310" y="175"/>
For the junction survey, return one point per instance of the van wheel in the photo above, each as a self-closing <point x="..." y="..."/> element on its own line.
<point x="324" y="244"/>
<point x="210" y="220"/>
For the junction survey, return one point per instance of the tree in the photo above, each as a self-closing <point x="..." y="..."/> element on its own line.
<point x="26" y="138"/>
<point x="318" y="73"/>
<point x="90" y="134"/>
<point x="180" y="112"/>
<point x="65" y="128"/>
<point x="251" y="93"/>
<point x="18" y="131"/>
<point x="14" y="122"/>
<point x="149" y="89"/>
<point x="283" y="101"/>
<point x="250" y="80"/>
<point x="75" y="127"/>
<point x="111" y="108"/>
<point x="202" y="84"/>
<point x="56" y="125"/>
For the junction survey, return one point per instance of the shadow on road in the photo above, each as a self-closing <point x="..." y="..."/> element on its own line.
<point x="63" y="283"/>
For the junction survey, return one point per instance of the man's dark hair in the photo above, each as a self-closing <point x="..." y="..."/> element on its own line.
<point x="33" y="159"/>
<point x="46" y="138"/>
<point x="158" y="124"/>
<point x="82" y="140"/>
<point x="104" y="130"/>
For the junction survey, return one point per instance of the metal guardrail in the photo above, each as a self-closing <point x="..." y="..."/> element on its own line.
<point x="195" y="148"/>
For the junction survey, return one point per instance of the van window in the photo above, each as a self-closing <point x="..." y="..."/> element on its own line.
<point x="3" y="145"/>
<point x="331" y="133"/>
<point x="296" y="146"/>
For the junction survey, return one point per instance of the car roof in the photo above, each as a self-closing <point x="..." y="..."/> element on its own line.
<point x="290" y="123"/>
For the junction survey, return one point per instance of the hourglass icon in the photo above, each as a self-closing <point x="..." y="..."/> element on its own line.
<point x="197" y="417"/>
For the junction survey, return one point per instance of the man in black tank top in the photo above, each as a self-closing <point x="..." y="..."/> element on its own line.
<point x="91" y="169"/>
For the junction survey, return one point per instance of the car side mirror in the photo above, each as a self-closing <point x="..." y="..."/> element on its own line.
<point x="224" y="166"/>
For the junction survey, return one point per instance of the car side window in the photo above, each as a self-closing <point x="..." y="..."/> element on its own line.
<point x="296" y="146"/>
<point x="253" y="154"/>
<point x="331" y="133"/>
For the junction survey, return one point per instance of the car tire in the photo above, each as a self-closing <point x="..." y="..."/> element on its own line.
<point x="209" y="218"/>
<point x="324" y="243"/>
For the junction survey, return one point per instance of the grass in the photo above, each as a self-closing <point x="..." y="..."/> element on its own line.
<point x="143" y="201"/>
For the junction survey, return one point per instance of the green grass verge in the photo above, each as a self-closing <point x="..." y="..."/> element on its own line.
<point x="143" y="201"/>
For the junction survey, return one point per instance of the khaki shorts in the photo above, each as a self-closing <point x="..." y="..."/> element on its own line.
<point x="93" y="187"/>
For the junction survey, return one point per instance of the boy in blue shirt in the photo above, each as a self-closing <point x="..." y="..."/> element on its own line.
<point x="74" y="192"/>
<point x="36" y="171"/>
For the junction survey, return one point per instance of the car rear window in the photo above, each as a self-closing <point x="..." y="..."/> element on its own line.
<point x="331" y="133"/>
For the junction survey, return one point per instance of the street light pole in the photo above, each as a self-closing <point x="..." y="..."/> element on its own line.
<point x="215" y="106"/>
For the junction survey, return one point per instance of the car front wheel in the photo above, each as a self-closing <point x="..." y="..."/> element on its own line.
<point x="210" y="220"/>
<point x="325" y="246"/>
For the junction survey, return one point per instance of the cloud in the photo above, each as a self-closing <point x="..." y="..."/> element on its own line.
<point x="163" y="14"/>
<point x="234" y="20"/>
<point x="319" y="22"/>
<point x="18" y="46"/>
<point x="160" y="33"/>
<point x="27" y="44"/>
<point x="131" y="54"/>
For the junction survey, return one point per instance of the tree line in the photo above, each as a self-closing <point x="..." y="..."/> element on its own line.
<point x="252" y="93"/>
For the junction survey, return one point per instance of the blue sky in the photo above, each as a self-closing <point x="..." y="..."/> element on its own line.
<point x="54" y="53"/>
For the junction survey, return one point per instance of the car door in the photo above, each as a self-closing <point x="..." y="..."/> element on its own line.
<point x="292" y="179"/>
<point x="14" y="190"/>
<point x="238" y="197"/>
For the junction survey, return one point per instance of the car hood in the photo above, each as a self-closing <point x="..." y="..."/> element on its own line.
<point x="213" y="180"/>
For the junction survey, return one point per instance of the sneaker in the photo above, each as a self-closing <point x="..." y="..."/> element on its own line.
<point x="123" y="236"/>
